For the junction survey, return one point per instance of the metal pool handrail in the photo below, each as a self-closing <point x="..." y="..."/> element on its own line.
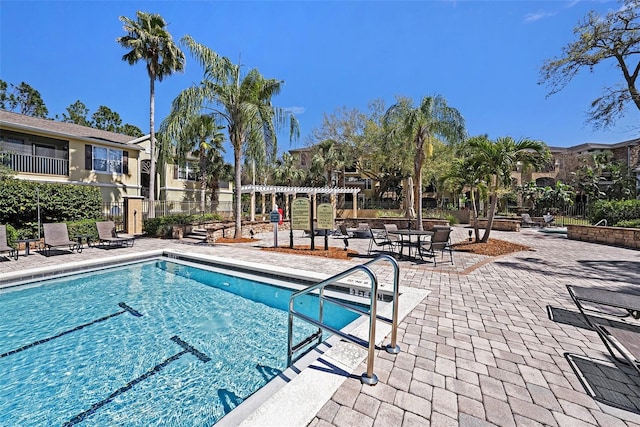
<point x="368" y="377"/>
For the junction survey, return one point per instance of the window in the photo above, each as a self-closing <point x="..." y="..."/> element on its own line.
<point x="187" y="172"/>
<point x="107" y="160"/>
<point x="368" y="184"/>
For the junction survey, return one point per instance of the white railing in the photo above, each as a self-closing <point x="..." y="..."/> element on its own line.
<point x="36" y="164"/>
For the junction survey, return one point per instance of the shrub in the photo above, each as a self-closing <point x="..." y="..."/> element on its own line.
<point x="161" y="226"/>
<point x="84" y="227"/>
<point x="12" y="236"/>
<point x="614" y="211"/>
<point x="58" y="203"/>
<point x="452" y="219"/>
<point x="629" y="223"/>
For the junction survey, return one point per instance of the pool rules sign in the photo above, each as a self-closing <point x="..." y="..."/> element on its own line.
<point x="300" y="214"/>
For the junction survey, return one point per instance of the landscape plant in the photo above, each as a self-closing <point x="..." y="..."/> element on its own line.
<point x="615" y="211"/>
<point x="58" y="203"/>
<point x="242" y="103"/>
<point x="498" y="158"/>
<point x="149" y="41"/>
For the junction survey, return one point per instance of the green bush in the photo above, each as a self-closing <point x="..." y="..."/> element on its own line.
<point x="12" y="236"/>
<point x="58" y="203"/>
<point x="614" y="211"/>
<point x="84" y="227"/>
<point x="161" y="226"/>
<point x="452" y="219"/>
<point x="630" y="223"/>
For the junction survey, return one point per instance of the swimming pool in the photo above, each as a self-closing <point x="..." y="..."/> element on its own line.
<point x="151" y="343"/>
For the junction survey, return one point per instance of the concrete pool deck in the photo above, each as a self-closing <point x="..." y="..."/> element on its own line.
<point x="481" y="348"/>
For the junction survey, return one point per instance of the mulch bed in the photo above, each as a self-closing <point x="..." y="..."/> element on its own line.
<point x="333" y="252"/>
<point x="493" y="247"/>
<point x="240" y="240"/>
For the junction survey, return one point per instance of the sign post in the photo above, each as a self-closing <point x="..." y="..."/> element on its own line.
<point x="325" y="221"/>
<point x="274" y="218"/>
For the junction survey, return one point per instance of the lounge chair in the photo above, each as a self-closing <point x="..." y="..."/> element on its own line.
<point x="380" y="239"/>
<point x="625" y="341"/>
<point x="108" y="237"/>
<point x="628" y="303"/>
<point x="440" y="241"/>
<point x="4" y="246"/>
<point x="548" y="220"/>
<point x="528" y="222"/>
<point x="57" y="236"/>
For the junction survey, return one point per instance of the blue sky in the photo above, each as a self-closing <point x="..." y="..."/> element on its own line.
<point x="484" y="57"/>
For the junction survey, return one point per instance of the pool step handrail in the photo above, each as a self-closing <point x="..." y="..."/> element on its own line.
<point x="368" y="377"/>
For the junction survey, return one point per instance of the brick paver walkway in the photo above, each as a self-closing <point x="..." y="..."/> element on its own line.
<point x="497" y="341"/>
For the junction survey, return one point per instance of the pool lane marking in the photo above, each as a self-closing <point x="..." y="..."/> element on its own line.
<point x="187" y="349"/>
<point x="126" y="308"/>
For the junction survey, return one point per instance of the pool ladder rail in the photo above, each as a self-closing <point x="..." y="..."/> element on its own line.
<point x="368" y="377"/>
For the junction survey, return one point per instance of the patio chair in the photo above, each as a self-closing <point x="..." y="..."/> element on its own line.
<point x="4" y="246"/>
<point x="440" y="241"/>
<point x="380" y="239"/>
<point x="548" y="220"/>
<point x="57" y="236"/>
<point x="527" y="221"/>
<point x="628" y="303"/>
<point x="625" y="341"/>
<point x="108" y="237"/>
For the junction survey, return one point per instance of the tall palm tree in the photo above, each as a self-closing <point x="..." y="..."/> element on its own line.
<point x="149" y="41"/>
<point x="500" y="158"/>
<point x="198" y="135"/>
<point x="420" y="126"/>
<point x="243" y="104"/>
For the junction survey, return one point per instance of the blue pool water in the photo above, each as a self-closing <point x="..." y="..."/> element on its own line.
<point x="155" y="343"/>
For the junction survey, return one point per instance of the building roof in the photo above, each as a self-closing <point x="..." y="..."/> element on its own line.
<point x="21" y="122"/>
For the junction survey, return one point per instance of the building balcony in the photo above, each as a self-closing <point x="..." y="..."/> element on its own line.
<point x="41" y="165"/>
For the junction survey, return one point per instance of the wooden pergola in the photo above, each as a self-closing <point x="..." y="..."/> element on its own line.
<point x="293" y="191"/>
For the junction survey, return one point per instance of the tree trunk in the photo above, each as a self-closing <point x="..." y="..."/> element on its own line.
<point x="476" y="227"/>
<point x="237" y="156"/>
<point x="418" y="191"/>
<point x="492" y="211"/>
<point x="152" y="150"/>
<point x="203" y="180"/>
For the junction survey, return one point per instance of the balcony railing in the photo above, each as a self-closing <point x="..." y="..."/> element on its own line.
<point x="35" y="164"/>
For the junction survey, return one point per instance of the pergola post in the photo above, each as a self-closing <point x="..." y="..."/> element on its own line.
<point x="355" y="205"/>
<point x="311" y="192"/>
<point x="253" y="206"/>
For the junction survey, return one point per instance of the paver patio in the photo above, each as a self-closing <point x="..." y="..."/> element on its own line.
<point x="481" y="349"/>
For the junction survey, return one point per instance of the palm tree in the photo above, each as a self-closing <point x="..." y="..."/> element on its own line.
<point x="150" y="41"/>
<point x="194" y="134"/>
<point x="500" y="158"/>
<point x="287" y="172"/>
<point x="464" y="173"/>
<point x="421" y="125"/>
<point x="328" y="158"/>
<point x="242" y="104"/>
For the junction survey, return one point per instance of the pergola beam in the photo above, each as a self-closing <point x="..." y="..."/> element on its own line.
<point x="281" y="189"/>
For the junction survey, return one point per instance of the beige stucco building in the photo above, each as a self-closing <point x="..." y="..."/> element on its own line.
<point x="44" y="150"/>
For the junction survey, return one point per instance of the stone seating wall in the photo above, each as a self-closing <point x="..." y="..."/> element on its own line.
<point x="501" y="224"/>
<point x="615" y="236"/>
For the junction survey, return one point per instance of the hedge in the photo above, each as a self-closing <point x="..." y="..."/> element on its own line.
<point x="615" y="211"/>
<point x="58" y="203"/>
<point x="161" y="226"/>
